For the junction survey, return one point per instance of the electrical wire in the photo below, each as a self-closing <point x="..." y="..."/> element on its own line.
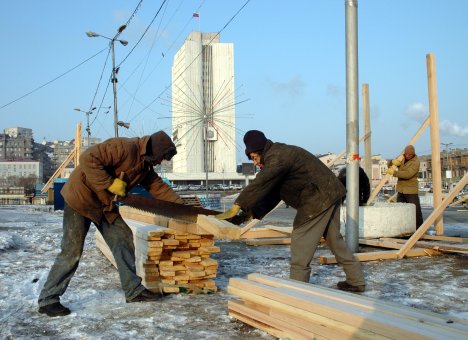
<point x="51" y="81"/>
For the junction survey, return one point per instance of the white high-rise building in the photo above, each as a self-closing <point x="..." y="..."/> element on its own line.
<point x="203" y="101"/>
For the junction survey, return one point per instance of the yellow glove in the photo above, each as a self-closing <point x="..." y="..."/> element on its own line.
<point x="229" y="213"/>
<point x="396" y="162"/>
<point x="390" y="171"/>
<point x="118" y="187"/>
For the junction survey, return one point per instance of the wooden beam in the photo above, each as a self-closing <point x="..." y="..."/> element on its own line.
<point x="254" y="222"/>
<point x="77" y="144"/>
<point x="58" y="171"/>
<point x="221" y="229"/>
<point x="444" y="238"/>
<point x="382" y="255"/>
<point x="432" y="217"/>
<point x="267" y="241"/>
<point x="435" y="140"/>
<point x="361" y="301"/>
<point x="387" y="177"/>
<point x="263" y="233"/>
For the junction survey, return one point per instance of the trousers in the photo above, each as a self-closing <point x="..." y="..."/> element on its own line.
<point x="305" y="239"/>
<point x="412" y="198"/>
<point x="118" y="237"/>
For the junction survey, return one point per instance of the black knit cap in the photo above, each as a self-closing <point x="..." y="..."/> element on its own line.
<point x="254" y="141"/>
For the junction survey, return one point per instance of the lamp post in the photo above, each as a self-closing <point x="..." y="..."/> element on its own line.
<point x="114" y="71"/>
<point x="88" y="129"/>
<point x="447" y="161"/>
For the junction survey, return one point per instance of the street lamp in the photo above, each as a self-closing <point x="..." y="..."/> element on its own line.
<point x="447" y="175"/>
<point x="88" y="129"/>
<point x="114" y="71"/>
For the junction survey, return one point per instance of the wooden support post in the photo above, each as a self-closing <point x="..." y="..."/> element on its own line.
<point x="435" y="141"/>
<point x="367" y="132"/>
<point x="436" y="213"/>
<point x="387" y="177"/>
<point x="77" y="144"/>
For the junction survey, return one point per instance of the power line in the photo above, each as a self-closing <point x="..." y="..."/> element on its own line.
<point x="51" y="81"/>
<point x="144" y="33"/>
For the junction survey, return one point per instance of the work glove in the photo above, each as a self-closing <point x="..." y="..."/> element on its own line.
<point x="118" y="187"/>
<point x="242" y="217"/>
<point x="229" y="213"/>
<point x="396" y="162"/>
<point x="390" y="171"/>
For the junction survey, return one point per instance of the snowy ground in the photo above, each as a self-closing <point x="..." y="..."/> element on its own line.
<point x="30" y="238"/>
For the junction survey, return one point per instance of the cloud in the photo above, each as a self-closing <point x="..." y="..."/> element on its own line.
<point x="453" y="129"/>
<point x="417" y="112"/>
<point x="294" y="86"/>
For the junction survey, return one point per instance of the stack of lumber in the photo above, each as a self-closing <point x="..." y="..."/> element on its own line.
<point x="169" y="260"/>
<point x="296" y="310"/>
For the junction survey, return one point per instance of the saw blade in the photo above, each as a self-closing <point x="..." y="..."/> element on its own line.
<point x="168" y="209"/>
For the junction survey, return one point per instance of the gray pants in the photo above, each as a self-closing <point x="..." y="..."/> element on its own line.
<point x="119" y="238"/>
<point x="305" y="239"/>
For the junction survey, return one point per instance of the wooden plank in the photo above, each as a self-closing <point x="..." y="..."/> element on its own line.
<point x="321" y="325"/>
<point x="254" y="221"/>
<point x="431" y="245"/>
<point x="393" y="309"/>
<point x="289" y="329"/>
<point x="263" y="233"/>
<point x="268" y="241"/>
<point x="444" y="238"/>
<point x="432" y="217"/>
<point x="220" y="229"/>
<point x="374" y="321"/>
<point x="382" y="255"/>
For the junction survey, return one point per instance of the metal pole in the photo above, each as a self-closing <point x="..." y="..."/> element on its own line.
<point x="352" y="127"/>
<point x="114" y="81"/>
<point x="367" y="132"/>
<point x="88" y="130"/>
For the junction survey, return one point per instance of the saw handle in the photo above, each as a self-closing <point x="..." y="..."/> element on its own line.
<point x="121" y="177"/>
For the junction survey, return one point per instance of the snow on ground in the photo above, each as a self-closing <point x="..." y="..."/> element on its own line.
<point x="30" y="239"/>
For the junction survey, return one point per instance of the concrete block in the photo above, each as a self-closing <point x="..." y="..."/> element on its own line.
<point x="384" y="220"/>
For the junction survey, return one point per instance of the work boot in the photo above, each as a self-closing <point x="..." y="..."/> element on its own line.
<point x="343" y="285"/>
<point x="146" y="295"/>
<point x="54" y="309"/>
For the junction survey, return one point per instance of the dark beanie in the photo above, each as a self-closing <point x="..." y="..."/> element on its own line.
<point x="254" y="141"/>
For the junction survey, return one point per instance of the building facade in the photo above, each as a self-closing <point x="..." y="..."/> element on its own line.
<point x="16" y="144"/>
<point x="203" y="107"/>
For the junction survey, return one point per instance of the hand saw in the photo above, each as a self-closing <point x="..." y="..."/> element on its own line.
<point x="168" y="209"/>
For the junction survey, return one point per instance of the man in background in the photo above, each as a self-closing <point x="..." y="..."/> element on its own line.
<point x="407" y="185"/>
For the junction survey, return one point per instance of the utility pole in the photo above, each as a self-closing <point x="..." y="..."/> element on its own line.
<point x="114" y="71"/>
<point x="448" y="175"/>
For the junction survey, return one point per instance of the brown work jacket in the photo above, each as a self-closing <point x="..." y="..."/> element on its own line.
<point x="86" y="190"/>
<point x="407" y="175"/>
<point x="295" y="176"/>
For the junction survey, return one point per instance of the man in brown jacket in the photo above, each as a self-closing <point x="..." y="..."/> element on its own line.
<point x="407" y="184"/>
<point x="89" y="197"/>
<point x="302" y="181"/>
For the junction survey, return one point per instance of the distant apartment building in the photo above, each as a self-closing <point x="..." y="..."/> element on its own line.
<point x="11" y="171"/>
<point x="16" y="144"/>
<point x="203" y="106"/>
<point x="61" y="150"/>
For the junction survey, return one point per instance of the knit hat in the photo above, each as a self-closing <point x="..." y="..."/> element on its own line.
<point x="254" y="141"/>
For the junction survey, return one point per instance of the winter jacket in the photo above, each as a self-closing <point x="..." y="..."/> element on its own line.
<point x="295" y="176"/>
<point x="86" y="190"/>
<point x="407" y="175"/>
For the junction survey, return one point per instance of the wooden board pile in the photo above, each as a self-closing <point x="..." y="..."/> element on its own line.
<point x="169" y="260"/>
<point x="296" y="310"/>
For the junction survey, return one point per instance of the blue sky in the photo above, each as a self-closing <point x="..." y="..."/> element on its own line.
<point x="289" y="67"/>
